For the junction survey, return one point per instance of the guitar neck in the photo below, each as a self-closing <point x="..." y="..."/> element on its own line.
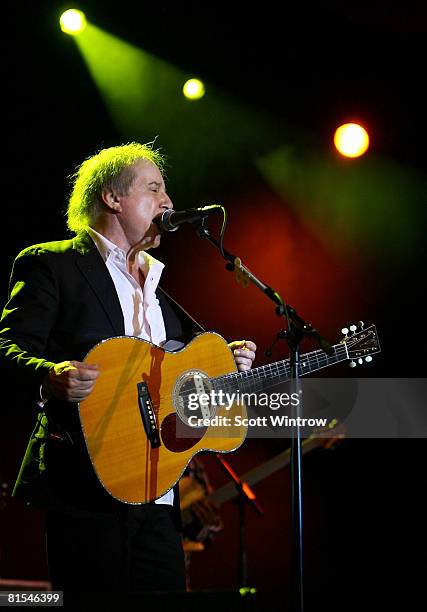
<point x="264" y="377"/>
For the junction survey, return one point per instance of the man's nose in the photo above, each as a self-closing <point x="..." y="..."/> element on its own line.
<point x="166" y="202"/>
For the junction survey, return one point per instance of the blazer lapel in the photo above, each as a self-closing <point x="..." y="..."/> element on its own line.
<point x="93" y="268"/>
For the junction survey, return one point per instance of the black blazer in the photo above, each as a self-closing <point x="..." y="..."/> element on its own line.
<point x="62" y="302"/>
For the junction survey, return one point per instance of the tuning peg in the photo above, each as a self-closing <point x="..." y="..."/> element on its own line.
<point x="353" y="328"/>
<point x="368" y="359"/>
<point x="352" y="364"/>
<point x="360" y="360"/>
<point x="361" y="324"/>
<point x="344" y="331"/>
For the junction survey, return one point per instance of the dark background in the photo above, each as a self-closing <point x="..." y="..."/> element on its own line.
<point x="311" y="69"/>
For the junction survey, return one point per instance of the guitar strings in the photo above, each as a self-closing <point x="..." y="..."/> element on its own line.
<point x="257" y="377"/>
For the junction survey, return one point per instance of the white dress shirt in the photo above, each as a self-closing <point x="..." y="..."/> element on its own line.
<point x="141" y="309"/>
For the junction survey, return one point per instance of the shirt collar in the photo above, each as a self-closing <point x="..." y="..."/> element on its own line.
<point x="151" y="267"/>
<point x="105" y="246"/>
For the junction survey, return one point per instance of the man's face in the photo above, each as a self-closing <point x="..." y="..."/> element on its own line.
<point x="147" y="199"/>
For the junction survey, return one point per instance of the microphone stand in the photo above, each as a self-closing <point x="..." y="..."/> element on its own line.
<point x="245" y="495"/>
<point x="296" y="329"/>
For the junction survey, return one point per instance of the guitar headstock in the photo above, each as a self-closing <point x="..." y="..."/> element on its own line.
<point x="361" y="343"/>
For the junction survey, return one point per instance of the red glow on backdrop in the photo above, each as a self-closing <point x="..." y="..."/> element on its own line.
<point x="283" y="252"/>
<point x="327" y="291"/>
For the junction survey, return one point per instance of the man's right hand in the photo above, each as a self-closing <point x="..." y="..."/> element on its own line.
<point x="71" y="381"/>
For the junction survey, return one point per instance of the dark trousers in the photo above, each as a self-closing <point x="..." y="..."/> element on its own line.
<point x="133" y="549"/>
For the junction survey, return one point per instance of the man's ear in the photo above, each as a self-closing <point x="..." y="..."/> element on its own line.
<point x="111" y="199"/>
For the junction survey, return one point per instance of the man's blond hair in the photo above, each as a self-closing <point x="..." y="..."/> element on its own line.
<point x="111" y="168"/>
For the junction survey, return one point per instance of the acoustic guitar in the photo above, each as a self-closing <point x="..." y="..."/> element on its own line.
<point x="138" y="422"/>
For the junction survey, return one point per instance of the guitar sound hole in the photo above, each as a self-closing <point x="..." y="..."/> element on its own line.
<point x="188" y="399"/>
<point x="181" y="439"/>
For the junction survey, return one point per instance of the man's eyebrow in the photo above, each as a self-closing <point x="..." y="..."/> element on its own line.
<point x="155" y="183"/>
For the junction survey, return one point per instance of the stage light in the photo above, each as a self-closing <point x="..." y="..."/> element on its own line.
<point x="351" y="140"/>
<point x="194" y="89"/>
<point x="73" y="22"/>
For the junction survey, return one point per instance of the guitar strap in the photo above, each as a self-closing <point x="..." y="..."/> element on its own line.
<point x="189" y="323"/>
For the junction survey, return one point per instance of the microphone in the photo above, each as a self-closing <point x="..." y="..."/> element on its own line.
<point x="170" y="220"/>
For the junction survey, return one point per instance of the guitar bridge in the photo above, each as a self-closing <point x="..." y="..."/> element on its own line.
<point x="148" y="415"/>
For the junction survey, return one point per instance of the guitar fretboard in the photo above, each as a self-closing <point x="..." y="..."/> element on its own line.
<point x="267" y="376"/>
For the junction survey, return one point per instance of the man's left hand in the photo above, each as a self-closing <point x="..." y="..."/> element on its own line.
<point x="244" y="353"/>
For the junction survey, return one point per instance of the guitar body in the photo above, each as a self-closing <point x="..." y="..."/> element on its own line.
<point x="138" y="422"/>
<point x="127" y="463"/>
